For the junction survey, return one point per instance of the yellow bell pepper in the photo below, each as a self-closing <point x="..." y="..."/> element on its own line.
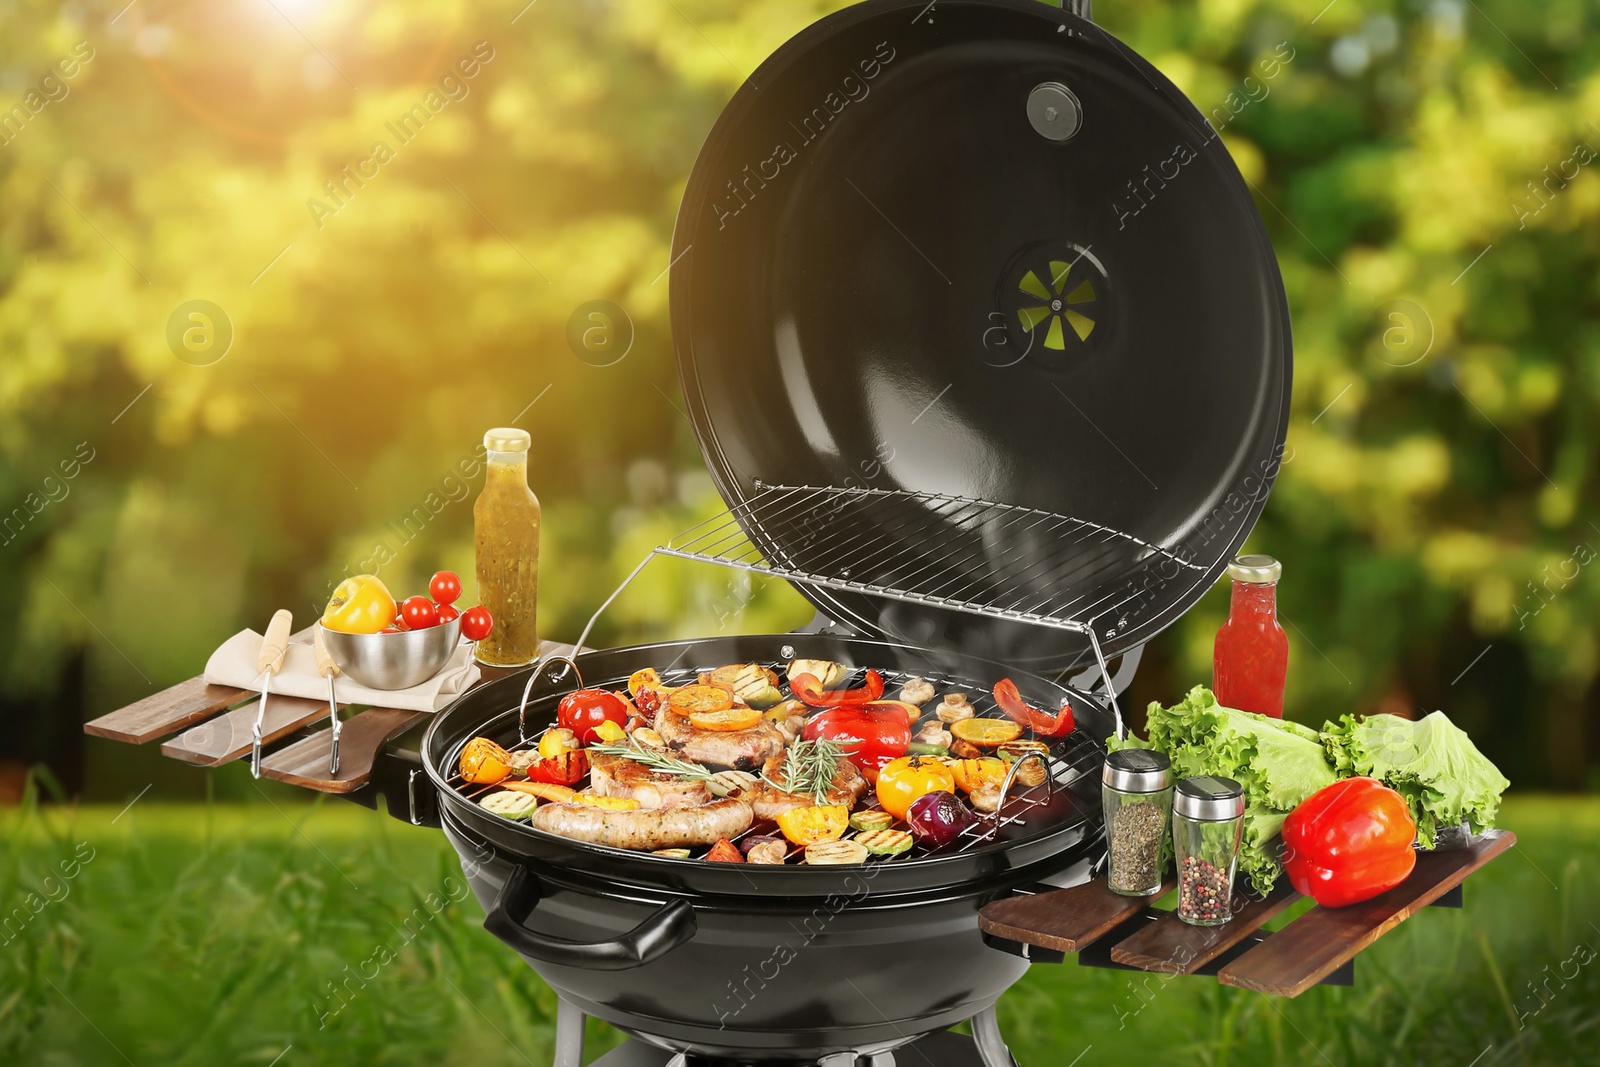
<point x="361" y="605"/>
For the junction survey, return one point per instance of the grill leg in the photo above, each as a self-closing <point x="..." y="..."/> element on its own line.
<point x="991" y="1046"/>
<point x="569" y="1036"/>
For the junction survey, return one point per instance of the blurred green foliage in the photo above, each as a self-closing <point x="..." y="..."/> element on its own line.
<point x="1438" y="490"/>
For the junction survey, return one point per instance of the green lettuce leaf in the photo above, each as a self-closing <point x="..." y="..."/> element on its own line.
<point x="1278" y="763"/>
<point x="1431" y="762"/>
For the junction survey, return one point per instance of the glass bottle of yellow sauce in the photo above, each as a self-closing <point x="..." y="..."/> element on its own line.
<point x="506" y="518"/>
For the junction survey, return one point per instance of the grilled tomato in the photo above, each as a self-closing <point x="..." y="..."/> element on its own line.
<point x="483" y="762"/>
<point x="564" y="768"/>
<point x="905" y="780"/>
<point x="819" y="822"/>
<point x="584" y="710"/>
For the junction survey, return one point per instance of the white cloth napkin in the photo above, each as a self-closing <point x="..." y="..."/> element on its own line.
<point x="235" y="664"/>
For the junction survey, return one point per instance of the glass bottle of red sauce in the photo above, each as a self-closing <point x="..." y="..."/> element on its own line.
<point x="1251" y="655"/>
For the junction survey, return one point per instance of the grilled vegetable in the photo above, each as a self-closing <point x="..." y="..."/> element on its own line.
<point x="589" y="800"/>
<point x="973" y="775"/>
<point x="672" y="853"/>
<point x="726" y="783"/>
<point x="585" y="709"/>
<point x="556" y="794"/>
<point x="835" y="853"/>
<point x="484" y="763"/>
<point x="648" y="691"/>
<point x="917" y="691"/>
<point x="939" y="818"/>
<point x="910" y="711"/>
<point x="869" y="819"/>
<point x="700" y="698"/>
<point x="964" y="750"/>
<point x="648" y="738"/>
<point x="810" y="690"/>
<point x="510" y="805"/>
<point x="986" y="733"/>
<point x="750" y="682"/>
<point x="886" y="842"/>
<point x="827" y="672"/>
<point x="724" y="851"/>
<point x="955" y="707"/>
<point x="750" y="841"/>
<point x="1010" y="700"/>
<point x="1032" y="771"/>
<point x="908" y="778"/>
<point x="924" y="748"/>
<point x="725" y="720"/>
<point x="1349" y="842"/>
<point x="556" y="740"/>
<point x="873" y="737"/>
<point x="768" y="850"/>
<point x="820" y="822"/>
<point x="522" y="759"/>
<point x="609" y="733"/>
<point x="564" y="768"/>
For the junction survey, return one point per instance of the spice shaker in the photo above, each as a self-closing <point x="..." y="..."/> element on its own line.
<point x="1136" y="797"/>
<point x="1207" y="820"/>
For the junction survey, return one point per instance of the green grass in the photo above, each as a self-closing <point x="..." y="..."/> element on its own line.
<point x="212" y="935"/>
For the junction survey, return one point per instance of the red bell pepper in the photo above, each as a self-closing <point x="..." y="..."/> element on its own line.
<point x="564" y="768"/>
<point x="1349" y="842"/>
<point x="809" y="690"/>
<point x="873" y="737"/>
<point x="1010" y="700"/>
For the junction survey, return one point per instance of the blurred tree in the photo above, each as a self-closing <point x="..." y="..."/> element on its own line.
<point x="1417" y="164"/>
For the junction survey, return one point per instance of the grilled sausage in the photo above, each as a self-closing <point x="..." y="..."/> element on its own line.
<point x="646" y="829"/>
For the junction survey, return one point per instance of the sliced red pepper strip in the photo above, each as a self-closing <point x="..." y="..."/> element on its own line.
<point x="1010" y="700"/>
<point x="809" y="690"/>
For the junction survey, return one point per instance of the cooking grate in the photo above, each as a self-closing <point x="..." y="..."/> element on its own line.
<point x="1069" y="760"/>
<point x="1003" y="561"/>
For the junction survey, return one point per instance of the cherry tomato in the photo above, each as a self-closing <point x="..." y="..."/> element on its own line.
<point x="476" y="623"/>
<point x="445" y="587"/>
<point x="584" y="710"/>
<point x="448" y="612"/>
<point x="419" y="613"/>
<point x="564" y="768"/>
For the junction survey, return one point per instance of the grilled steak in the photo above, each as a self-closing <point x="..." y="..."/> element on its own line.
<point x="741" y="749"/>
<point x="849" y="786"/>
<point x="615" y="776"/>
<point x="646" y="829"/>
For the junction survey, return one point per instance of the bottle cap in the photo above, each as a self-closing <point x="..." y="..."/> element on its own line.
<point x="507" y="439"/>
<point x="1208" y="799"/>
<point x="1257" y="570"/>
<point x="1136" y="770"/>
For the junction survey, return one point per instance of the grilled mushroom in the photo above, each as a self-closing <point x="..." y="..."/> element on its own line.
<point x="917" y="691"/>
<point x="954" y="707"/>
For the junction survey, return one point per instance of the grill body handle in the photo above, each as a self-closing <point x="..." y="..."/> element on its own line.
<point x="660" y="933"/>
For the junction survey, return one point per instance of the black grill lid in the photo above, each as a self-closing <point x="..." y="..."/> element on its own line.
<point x="974" y="312"/>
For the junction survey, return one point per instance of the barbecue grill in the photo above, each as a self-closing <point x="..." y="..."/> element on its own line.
<point x="1000" y="388"/>
<point x="913" y="316"/>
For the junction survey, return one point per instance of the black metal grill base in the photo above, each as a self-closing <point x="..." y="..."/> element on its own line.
<point x="935" y="1050"/>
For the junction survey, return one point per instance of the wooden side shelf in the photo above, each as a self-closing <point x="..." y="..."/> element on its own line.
<point x="227" y="737"/>
<point x="1286" y="964"/>
<point x="215" y="721"/>
<point x="305" y="763"/>
<point x="165" y="712"/>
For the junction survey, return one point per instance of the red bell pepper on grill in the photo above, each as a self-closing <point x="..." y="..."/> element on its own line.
<point x="1010" y="700"/>
<point x="809" y="690"/>
<point x="564" y="768"/>
<point x="873" y="737"/>
<point x="1349" y="842"/>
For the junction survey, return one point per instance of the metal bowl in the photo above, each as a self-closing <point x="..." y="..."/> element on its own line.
<point x="393" y="661"/>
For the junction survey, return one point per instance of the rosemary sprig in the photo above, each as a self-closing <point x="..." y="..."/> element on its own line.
<point x="810" y="766"/>
<point x="657" y="760"/>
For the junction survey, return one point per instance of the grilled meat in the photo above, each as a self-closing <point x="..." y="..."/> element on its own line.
<point x="646" y="829"/>
<point x="849" y="786"/>
<point x="615" y="776"/>
<point x="741" y="749"/>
